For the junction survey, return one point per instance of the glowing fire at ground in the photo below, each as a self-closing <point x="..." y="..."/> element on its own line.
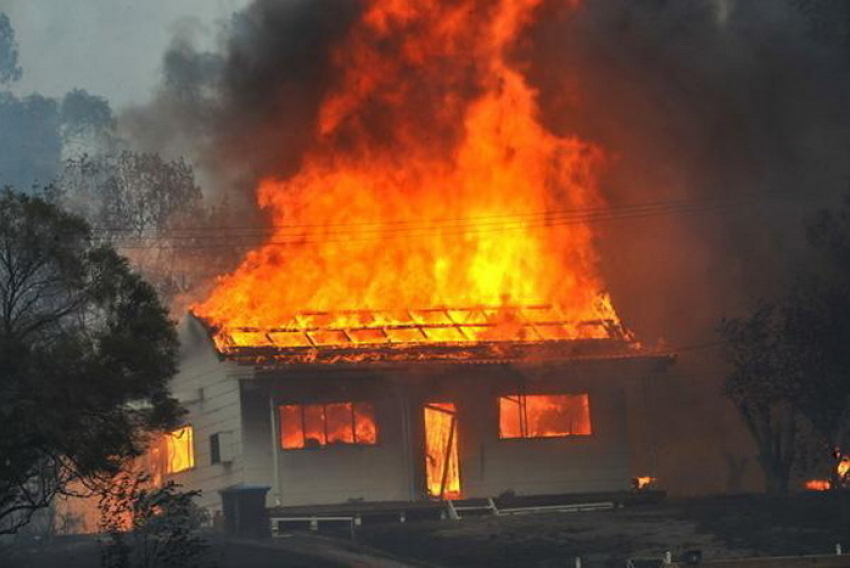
<point x="843" y="471"/>
<point x="644" y="482"/>
<point x="430" y="182"/>
<point x="818" y="485"/>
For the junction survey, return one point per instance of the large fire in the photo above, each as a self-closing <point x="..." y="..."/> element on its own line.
<point x="430" y="183"/>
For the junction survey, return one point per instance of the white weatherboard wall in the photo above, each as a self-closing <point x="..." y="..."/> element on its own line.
<point x="210" y="389"/>
<point x="340" y="473"/>
<point x="574" y="464"/>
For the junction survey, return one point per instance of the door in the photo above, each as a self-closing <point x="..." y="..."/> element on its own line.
<point x="442" y="470"/>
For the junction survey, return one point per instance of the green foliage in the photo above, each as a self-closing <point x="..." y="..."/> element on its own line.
<point x="86" y="353"/>
<point x="149" y="527"/>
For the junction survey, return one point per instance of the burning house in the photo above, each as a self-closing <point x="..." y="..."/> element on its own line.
<point x="426" y="318"/>
<point x="382" y="410"/>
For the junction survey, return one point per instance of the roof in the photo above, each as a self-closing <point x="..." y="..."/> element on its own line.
<point x="471" y="335"/>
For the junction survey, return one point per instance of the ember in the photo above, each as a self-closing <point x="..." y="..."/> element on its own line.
<point x="409" y="202"/>
<point x="818" y="485"/>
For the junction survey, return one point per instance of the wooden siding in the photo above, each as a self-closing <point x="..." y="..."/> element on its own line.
<point x="210" y="390"/>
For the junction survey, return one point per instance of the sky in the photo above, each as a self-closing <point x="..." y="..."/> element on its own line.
<point x="112" y="48"/>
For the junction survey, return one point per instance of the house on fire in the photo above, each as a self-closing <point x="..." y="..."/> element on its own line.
<point x="431" y="405"/>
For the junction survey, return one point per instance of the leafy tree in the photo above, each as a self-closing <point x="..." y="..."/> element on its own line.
<point x="818" y="314"/>
<point x="129" y="196"/>
<point x="10" y="71"/>
<point x="152" y="210"/>
<point x="86" y="352"/>
<point x="790" y="361"/>
<point x="762" y="386"/>
<point x="87" y="125"/>
<point x="149" y="527"/>
<point x="30" y="141"/>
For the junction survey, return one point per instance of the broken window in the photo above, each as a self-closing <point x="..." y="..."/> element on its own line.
<point x="179" y="450"/>
<point x="544" y="416"/>
<point x="320" y="425"/>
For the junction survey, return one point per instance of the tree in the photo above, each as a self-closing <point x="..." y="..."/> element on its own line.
<point x="149" y="527"/>
<point x="153" y="212"/>
<point x="30" y="141"/>
<point x="790" y="361"/>
<point x="10" y="71"/>
<point x="136" y="202"/>
<point x="818" y="328"/>
<point x="86" y="353"/>
<point x="87" y="125"/>
<point x="762" y="386"/>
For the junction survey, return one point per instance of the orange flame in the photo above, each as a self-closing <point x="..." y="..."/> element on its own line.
<point x="818" y="485"/>
<point x="320" y="425"/>
<point x="430" y="182"/>
<point x="442" y="466"/>
<point x="544" y="416"/>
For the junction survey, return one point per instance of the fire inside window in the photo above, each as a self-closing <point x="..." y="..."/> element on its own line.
<point x="544" y="416"/>
<point x="179" y="450"/>
<point x="320" y="425"/>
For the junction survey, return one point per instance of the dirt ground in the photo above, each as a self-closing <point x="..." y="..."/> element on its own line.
<point x="721" y="527"/>
<point x="297" y="551"/>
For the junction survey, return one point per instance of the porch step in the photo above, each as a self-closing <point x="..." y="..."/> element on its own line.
<point x="485" y="506"/>
<point x="488" y="506"/>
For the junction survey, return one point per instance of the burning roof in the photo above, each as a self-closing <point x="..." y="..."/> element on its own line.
<point x="428" y="183"/>
<point x="480" y="334"/>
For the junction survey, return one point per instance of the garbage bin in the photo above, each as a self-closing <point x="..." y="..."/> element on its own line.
<point x="245" y="510"/>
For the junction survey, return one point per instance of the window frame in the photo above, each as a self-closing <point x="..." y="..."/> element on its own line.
<point x="215" y="449"/>
<point x="524" y="418"/>
<point x="327" y="445"/>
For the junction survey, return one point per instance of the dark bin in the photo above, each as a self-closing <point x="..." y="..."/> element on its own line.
<point x="245" y="510"/>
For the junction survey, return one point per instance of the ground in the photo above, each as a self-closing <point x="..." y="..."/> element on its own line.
<point x="721" y="527"/>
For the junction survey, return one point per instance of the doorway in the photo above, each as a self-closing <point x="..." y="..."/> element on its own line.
<point x="442" y="468"/>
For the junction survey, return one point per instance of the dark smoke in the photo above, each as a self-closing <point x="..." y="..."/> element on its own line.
<point x="249" y="109"/>
<point x="742" y="103"/>
<point x="706" y="101"/>
<point x="737" y="106"/>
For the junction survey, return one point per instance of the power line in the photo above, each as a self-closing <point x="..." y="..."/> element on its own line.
<point x="579" y="214"/>
<point x="398" y="229"/>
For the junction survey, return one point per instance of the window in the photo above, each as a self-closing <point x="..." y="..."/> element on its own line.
<point x="179" y="450"/>
<point x="215" y="449"/>
<point x="320" y="425"/>
<point x="544" y="416"/>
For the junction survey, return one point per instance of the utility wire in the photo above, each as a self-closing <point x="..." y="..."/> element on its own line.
<point x="398" y="229"/>
<point x="578" y="214"/>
